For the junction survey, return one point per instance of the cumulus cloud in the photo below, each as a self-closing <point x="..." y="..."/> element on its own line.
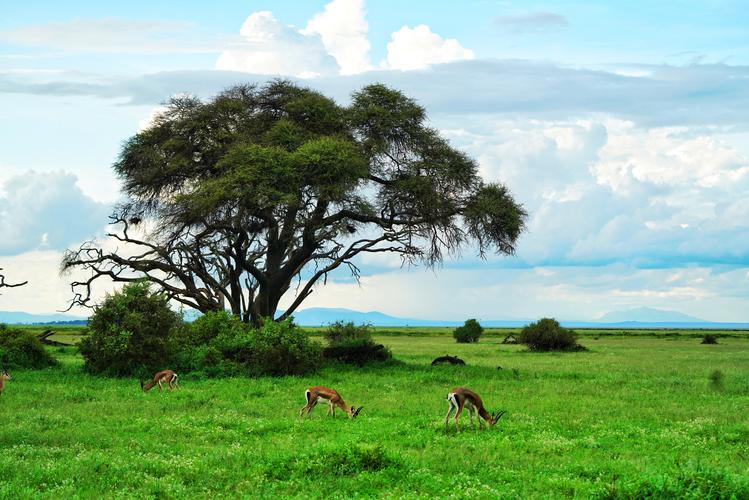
<point x="343" y="29"/>
<point x="418" y="48"/>
<point x="531" y="22"/>
<point x="605" y="191"/>
<point x="46" y="212"/>
<point x="268" y="47"/>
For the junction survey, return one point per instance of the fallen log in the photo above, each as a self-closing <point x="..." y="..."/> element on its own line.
<point x="453" y="360"/>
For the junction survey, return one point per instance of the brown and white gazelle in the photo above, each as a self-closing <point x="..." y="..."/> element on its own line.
<point x="459" y="398"/>
<point x="164" y="376"/>
<point x="3" y="377"/>
<point x="314" y="395"/>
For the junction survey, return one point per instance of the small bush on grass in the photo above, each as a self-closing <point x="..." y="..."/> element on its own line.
<point x="22" y="349"/>
<point x="547" y="334"/>
<point x="348" y="343"/>
<point x="710" y="338"/>
<point x="131" y="333"/>
<point x="276" y="348"/>
<point x="469" y="332"/>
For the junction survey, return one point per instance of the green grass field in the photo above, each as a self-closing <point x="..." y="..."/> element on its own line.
<point x="635" y="416"/>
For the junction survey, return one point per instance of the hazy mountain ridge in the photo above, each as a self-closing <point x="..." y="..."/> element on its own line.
<point x="648" y="314"/>
<point x="642" y="317"/>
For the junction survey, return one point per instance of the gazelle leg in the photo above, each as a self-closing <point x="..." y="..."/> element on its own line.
<point x="457" y="415"/>
<point x="470" y="414"/>
<point x="452" y="406"/>
<point x="160" y="386"/>
<point x="450" y="410"/>
<point x="308" y="408"/>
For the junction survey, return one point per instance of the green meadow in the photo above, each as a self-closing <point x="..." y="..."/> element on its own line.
<point x="640" y="414"/>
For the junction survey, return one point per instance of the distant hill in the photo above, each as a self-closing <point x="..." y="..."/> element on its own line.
<point x="642" y="317"/>
<point x="23" y="318"/>
<point x="315" y="316"/>
<point x="648" y="315"/>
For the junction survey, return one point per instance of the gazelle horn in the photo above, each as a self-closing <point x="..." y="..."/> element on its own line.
<point x="356" y="412"/>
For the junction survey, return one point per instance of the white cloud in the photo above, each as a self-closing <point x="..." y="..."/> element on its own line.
<point x="268" y="47"/>
<point x="603" y="190"/>
<point x="40" y="211"/>
<point x="343" y="30"/>
<point x="419" y="48"/>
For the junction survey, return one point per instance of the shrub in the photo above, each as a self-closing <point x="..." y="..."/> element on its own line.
<point x="547" y="334"/>
<point x="22" y="349"/>
<point x="348" y="343"/>
<point x="210" y="325"/>
<point x="131" y="333"/>
<point x="276" y="348"/>
<point x="716" y="379"/>
<point x="469" y="332"/>
<point x="710" y="338"/>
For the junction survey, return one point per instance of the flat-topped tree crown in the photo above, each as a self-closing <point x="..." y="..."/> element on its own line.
<point x="261" y="186"/>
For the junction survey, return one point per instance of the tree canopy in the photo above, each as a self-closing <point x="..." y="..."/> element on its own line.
<point x="238" y="200"/>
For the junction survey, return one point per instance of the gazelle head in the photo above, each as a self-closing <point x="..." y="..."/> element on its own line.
<point x="5" y="375"/>
<point x="495" y="417"/>
<point x="354" y="411"/>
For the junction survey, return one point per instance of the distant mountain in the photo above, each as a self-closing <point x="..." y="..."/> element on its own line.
<point x="648" y="315"/>
<point x="642" y="317"/>
<point x="18" y="318"/>
<point x="316" y="316"/>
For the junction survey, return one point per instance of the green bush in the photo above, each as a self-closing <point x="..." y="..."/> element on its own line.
<point x="276" y="348"/>
<point x="469" y="332"/>
<point x="348" y="343"/>
<point x="22" y="349"/>
<point x="209" y="326"/>
<point x="131" y="333"/>
<point x="709" y="338"/>
<point x="547" y="334"/>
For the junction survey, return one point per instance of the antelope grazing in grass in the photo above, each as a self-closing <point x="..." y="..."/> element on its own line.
<point x="460" y="398"/>
<point x="3" y="377"/>
<point x="314" y="395"/>
<point x="162" y="377"/>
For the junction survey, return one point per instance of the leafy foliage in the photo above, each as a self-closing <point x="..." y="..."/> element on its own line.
<point x="262" y="184"/>
<point x="709" y="338"/>
<point x="219" y="344"/>
<point x="131" y="333"/>
<point x="348" y="343"/>
<point x="22" y="349"/>
<point x="547" y="334"/>
<point x="470" y="332"/>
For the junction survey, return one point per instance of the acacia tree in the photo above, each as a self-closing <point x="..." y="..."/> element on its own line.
<point x="267" y="189"/>
<point x="4" y="284"/>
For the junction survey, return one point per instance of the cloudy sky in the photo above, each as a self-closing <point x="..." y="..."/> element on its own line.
<point x="623" y="127"/>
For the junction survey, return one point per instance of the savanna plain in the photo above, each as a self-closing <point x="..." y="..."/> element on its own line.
<point x="640" y="414"/>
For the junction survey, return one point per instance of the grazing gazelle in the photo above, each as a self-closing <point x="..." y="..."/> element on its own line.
<point x="460" y="398"/>
<point x="160" y="378"/>
<point x="314" y="395"/>
<point x="3" y="377"/>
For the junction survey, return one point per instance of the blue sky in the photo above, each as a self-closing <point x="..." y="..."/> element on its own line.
<point x="623" y="128"/>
